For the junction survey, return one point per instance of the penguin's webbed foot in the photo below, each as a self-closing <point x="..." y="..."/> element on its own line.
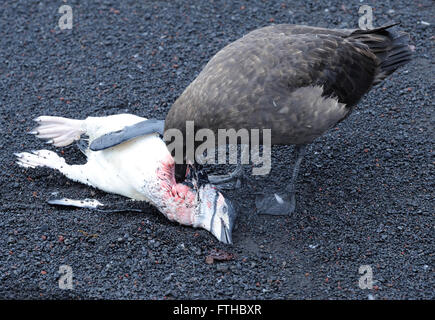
<point x="40" y="158"/>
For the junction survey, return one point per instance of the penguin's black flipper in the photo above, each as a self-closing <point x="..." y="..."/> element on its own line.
<point x="130" y="132"/>
<point x="85" y="203"/>
<point x="96" y="205"/>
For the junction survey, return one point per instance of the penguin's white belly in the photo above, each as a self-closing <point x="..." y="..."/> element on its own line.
<point x="128" y="169"/>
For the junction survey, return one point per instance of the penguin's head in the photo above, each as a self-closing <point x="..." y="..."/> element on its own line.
<point x="215" y="213"/>
<point x="193" y="202"/>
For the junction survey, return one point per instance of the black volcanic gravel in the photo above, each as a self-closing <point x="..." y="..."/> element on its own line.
<point x="365" y="193"/>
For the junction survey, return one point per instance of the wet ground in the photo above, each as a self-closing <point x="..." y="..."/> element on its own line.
<point x="365" y="193"/>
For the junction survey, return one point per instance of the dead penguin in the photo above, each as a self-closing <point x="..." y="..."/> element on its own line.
<point x="298" y="81"/>
<point x="141" y="169"/>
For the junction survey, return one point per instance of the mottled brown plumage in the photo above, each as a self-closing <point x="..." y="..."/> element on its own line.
<point x="297" y="81"/>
